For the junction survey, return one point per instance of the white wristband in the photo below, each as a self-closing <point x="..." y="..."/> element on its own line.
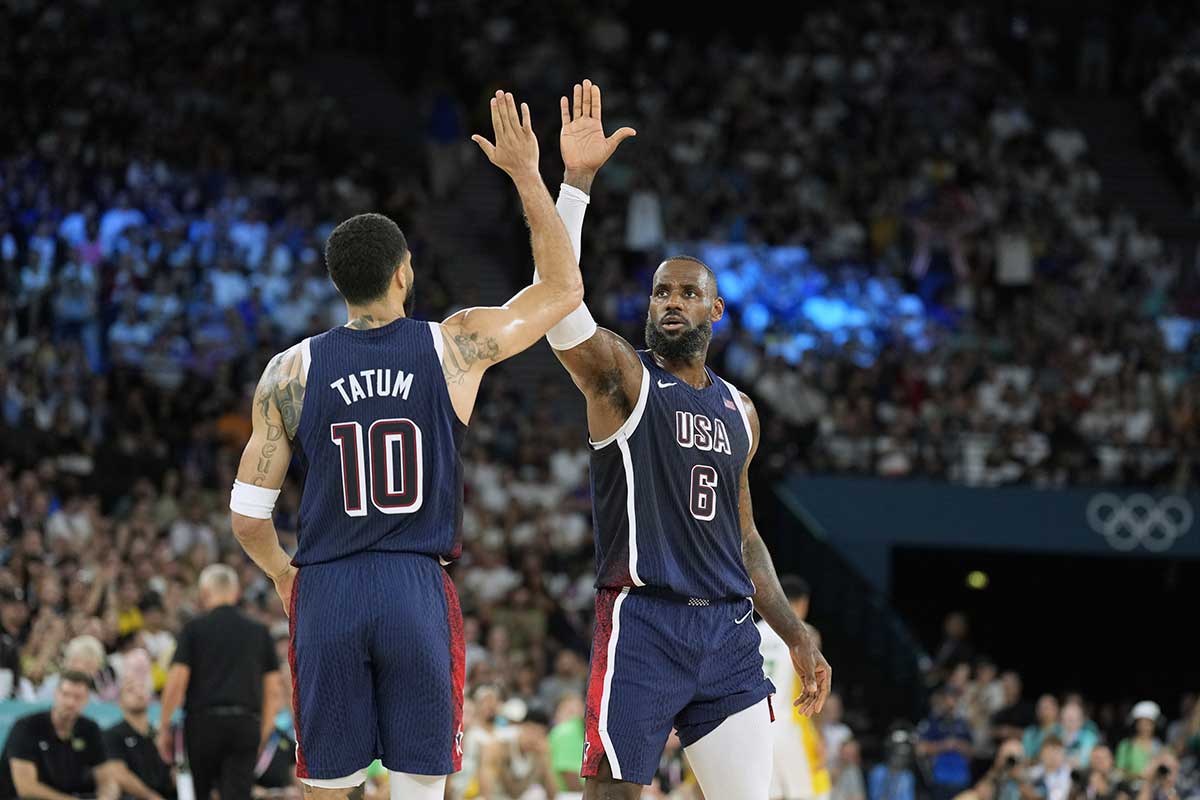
<point x="578" y="326"/>
<point x="573" y="330"/>
<point x="572" y="206"/>
<point x="253" y="501"/>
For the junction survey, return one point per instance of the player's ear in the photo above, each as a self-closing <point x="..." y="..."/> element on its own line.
<point x="402" y="273"/>
<point x="718" y="310"/>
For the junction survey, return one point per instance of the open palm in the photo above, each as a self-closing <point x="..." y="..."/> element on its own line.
<point x="582" y="141"/>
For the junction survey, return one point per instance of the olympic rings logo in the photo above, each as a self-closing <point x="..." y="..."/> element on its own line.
<point x="1140" y="520"/>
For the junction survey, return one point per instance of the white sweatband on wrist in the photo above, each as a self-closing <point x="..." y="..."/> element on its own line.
<point x="578" y="326"/>
<point x="572" y="206"/>
<point x="573" y="330"/>
<point x="253" y="501"/>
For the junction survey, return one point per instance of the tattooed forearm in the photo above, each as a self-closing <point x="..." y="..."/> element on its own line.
<point x="769" y="599"/>
<point x="267" y="452"/>
<point x="463" y="350"/>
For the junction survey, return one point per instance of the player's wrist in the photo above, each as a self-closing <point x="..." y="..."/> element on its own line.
<point x="580" y="179"/>
<point x="527" y="179"/>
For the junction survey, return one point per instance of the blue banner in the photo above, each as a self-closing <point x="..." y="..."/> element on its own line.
<point x="865" y="517"/>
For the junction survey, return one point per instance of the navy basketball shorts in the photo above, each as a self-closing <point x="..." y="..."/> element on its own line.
<point x="660" y="663"/>
<point x="378" y="666"/>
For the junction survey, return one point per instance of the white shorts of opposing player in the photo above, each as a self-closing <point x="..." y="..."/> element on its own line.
<point x="403" y="785"/>
<point x="733" y="762"/>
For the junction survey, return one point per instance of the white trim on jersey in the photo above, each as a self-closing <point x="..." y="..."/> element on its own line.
<point x="438" y="342"/>
<point x="305" y="356"/>
<point x="626" y="430"/>
<point x="611" y="663"/>
<point x="737" y="398"/>
<point x="631" y="504"/>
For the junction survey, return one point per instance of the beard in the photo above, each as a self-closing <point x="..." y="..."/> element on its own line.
<point x="686" y="345"/>
<point x="410" y="301"/>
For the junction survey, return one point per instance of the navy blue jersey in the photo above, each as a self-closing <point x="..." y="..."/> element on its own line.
<point x="665" y="490"/>
<point x="380" y="442"/>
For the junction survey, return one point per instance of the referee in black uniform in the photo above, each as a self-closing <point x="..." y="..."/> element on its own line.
<point x="226" y="674"/>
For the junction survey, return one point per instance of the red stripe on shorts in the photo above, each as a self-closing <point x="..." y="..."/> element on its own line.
<point x="301" y="764"/>
<point x="458" y="664"/>
<point x="593" y="749"/>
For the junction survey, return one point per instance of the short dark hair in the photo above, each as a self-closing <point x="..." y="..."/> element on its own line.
<point x="75" y="676"/>
<point x="537" y="715"/>
<point x="362" y="254"/>
<point x="794" y="587"/>
<point x="693" y="260"/>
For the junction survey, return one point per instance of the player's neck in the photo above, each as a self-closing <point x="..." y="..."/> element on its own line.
<point x="689" y="370"/>
<point x="375" y="315"/>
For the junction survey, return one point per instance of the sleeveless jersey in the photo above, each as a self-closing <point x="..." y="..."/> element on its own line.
<point x="665" y="490"/>
<point x="379" y="441"/>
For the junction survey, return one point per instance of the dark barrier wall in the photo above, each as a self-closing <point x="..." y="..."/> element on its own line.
<point x="863" y="518"/>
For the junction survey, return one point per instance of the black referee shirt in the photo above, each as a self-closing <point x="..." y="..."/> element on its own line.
<point x="122" y="742"/>
<point x="228" y="654"/>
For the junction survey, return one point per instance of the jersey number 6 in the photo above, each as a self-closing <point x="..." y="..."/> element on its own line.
<point x="393" y="468"/>
<point x="704" y="492"/>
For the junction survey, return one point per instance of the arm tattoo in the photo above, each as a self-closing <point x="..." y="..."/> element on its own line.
<point x="282" y="386"/>
<point x="769" y="600"/>
<point x="467" y="349"/>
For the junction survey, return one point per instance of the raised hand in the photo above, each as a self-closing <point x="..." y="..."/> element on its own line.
<point x="582" y="141"/>
<point x="516" y="147"/>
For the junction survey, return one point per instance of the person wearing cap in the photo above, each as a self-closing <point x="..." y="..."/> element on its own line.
<point x="1134" y="753"/>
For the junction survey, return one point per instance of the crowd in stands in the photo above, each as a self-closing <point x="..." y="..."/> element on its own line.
<point x="160" y="238"/>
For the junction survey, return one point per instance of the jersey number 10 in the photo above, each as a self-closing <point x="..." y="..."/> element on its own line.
<point x="390" y="467"/>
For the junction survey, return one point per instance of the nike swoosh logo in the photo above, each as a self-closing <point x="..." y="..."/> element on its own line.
<point x="662" y="385"/>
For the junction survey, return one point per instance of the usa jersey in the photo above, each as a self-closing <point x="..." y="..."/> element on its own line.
<point x="379" y="440"/>
<point x="665" y="490"/>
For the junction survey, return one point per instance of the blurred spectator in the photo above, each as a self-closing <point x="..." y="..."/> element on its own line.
<point x="893" y="779"/>
<point x="1136" y="752"/>
<point x="12" y="622"/>
<point x="1014" y="715"/>
<point x="1077" y="738"/>
<point x="1046" y="725"/>
<point x="566" y="740"/>
<point x="83" y="654"/>
<point x="847" y="776"/>
<point x="955" y="649"/>
<point x="945" y="740"/>
<point x="130" y="744"/>
<point x="1052" y="775"/>
<point x="516" y="762"/>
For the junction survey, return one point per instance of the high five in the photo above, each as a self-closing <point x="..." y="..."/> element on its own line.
<point x="681" y="562"/>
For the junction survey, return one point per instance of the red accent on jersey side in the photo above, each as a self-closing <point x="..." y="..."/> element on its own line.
<point x="593" y="750"/>
<point x="458" y="663"/>
<point x="301" y="764"/>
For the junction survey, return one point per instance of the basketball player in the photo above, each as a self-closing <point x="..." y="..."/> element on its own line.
<point x="799" y="759"/>
<point x="376" y="632"/>
<point x="681" y="564"/>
